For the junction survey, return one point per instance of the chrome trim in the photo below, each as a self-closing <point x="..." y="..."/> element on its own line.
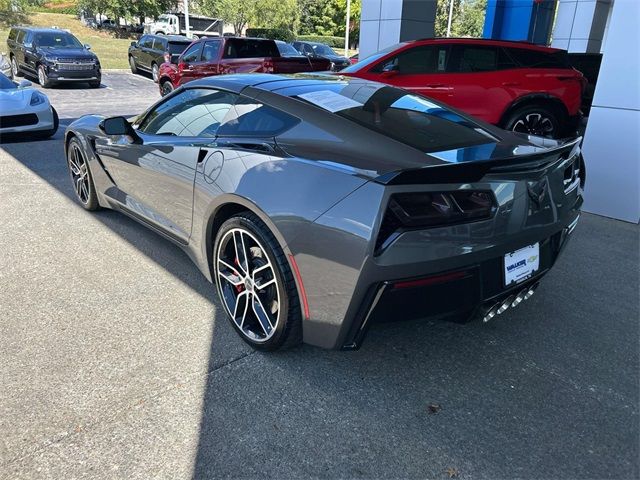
<point x="571" y="227"/>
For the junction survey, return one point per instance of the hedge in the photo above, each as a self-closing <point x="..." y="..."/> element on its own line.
<point x="274" y="33"/>
<point x="336" y="42"/>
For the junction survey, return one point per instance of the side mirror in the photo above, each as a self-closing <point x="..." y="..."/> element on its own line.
<point x="87" y="46"/>
<point x="24" y="84"/>
<point x="389" y="70"/>
<point x="133" y="44"/>
<point x="117" y="126"/>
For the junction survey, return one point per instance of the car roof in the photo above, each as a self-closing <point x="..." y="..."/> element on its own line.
<point x="44" y="30"/>
<point x="482" y="41"/>
<point x="172" y="38"/>
<point x="274" y="83"/>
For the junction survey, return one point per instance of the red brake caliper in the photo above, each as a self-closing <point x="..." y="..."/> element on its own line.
<point x="239" y="288"/>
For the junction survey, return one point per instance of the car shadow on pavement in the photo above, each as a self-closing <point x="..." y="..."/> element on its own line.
<point x="544" y="391"/>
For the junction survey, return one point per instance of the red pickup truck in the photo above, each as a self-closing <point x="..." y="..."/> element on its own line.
<point x="218" y="56"/>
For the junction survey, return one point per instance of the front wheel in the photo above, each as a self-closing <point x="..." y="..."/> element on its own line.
<point x="255" y="284"/>
<point x="43" y="78"/>
<point x="132" y="65"/>
<point x="95" y="83"/>
<point x="534" y="120"/>
<point x="166" y="88"/>
<point x="15" y="69"/>
<point x="81" y="178"/>
<point x="56" y="123"/>
<point x="155" y="72"/>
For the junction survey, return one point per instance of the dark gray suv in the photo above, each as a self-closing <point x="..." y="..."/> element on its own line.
<point x="53" y="55"/>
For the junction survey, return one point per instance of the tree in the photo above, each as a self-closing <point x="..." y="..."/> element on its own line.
<point x="467" y="19"/>
<point x="238" y="13"/>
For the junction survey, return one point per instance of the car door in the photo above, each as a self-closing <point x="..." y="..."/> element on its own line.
<point x="30" y="49"/>
<point x="157" y="51"/>
<point x="20" y="48"/>
<point x="155" y="173"/>
<point x="483" y="80"/>
<point x="420" y="69"/>
<point x="146" y="50"/>
<point x="210" y="58"/>
<point x="188" y="63"/>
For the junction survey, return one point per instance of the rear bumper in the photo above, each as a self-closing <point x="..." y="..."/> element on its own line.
<point x="460" y="295"/>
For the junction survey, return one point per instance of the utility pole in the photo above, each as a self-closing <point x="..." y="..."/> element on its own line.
<point x="186" y="18"/>
<point x="450" y="17"/>
<point x="346" y="35"/>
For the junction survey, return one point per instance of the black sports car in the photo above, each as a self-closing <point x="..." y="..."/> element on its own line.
<point x="319" y="204"/>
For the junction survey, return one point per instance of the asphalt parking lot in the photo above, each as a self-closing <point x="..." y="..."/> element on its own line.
<point x="116" y="360"/>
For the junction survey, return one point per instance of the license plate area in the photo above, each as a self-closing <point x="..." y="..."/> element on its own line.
<point x="521" y="264"/>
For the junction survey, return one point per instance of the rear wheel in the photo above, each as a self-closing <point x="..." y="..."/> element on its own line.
<point x="132" y="64"/>
<point x="166" y="87"/>
<point x="95" y="83"/>
<point x="255" y="284"/>
<point x="81" y="176"/>
<point x="534" y="120"/>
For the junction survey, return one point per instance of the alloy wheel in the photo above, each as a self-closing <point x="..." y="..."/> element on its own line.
<point x="535" y="124"/>
<point x="41" y="76"/>
<point x="248" y="285"/>
<point x="154" y="73"/>
<point x="14" y="67"/>
<point x="79" y="173"/>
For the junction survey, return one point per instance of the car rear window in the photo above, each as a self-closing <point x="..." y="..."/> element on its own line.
<point x="176" y="48"/>
<point x="536" y="59"/>
<point x="411" y="119"/>
<point x="250" y="48"/>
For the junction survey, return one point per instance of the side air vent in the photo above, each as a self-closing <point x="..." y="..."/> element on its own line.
<point x="573" y="175"/>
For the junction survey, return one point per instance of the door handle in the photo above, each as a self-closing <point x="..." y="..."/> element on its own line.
<point x="436" y="85"/>
<point x="510" y="84"/>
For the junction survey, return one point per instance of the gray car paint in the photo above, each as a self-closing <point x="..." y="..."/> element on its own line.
<point x="315" y="188"/>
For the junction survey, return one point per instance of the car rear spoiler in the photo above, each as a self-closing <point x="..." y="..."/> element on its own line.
<point x="469" y="172"/>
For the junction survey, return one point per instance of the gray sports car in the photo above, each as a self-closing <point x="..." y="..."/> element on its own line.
<point x="321" y="204"/>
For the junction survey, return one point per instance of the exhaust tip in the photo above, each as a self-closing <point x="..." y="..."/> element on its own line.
<point x="505" y="304"/>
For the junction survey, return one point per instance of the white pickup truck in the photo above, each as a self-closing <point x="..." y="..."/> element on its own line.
<point x="174" y="24"/>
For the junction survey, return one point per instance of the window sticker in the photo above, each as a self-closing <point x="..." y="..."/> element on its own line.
<point x="331" y="101"/>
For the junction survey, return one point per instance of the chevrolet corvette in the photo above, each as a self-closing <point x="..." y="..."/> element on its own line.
<point x="319" y="205"/>
<point x="25" y="110"/>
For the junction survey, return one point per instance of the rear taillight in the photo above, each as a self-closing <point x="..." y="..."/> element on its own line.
<point x="407" y="211"/>
<point x="268" y="66"/>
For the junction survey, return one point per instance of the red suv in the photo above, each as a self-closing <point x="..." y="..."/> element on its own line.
<point x="515" y="85"/>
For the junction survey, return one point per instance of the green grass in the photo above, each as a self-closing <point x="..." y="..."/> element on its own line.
<point x="111" y="51"/>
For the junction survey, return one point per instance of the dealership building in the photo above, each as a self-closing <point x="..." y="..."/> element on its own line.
<point x="585" y="28"/>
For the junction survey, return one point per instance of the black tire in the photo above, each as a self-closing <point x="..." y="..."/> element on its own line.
<point x="90" y="200"/>
<point x="43" y="77"/>
<point x="132" y="64"/>
<point x="166" y="87"/>
<point x="534" y="119"/>
<point x="15" y="69"/>
<point x="287" y="331"/>
<point x="155" y="72"/>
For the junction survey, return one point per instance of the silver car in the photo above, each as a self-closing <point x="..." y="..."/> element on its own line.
<point x="319" y="205"/>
